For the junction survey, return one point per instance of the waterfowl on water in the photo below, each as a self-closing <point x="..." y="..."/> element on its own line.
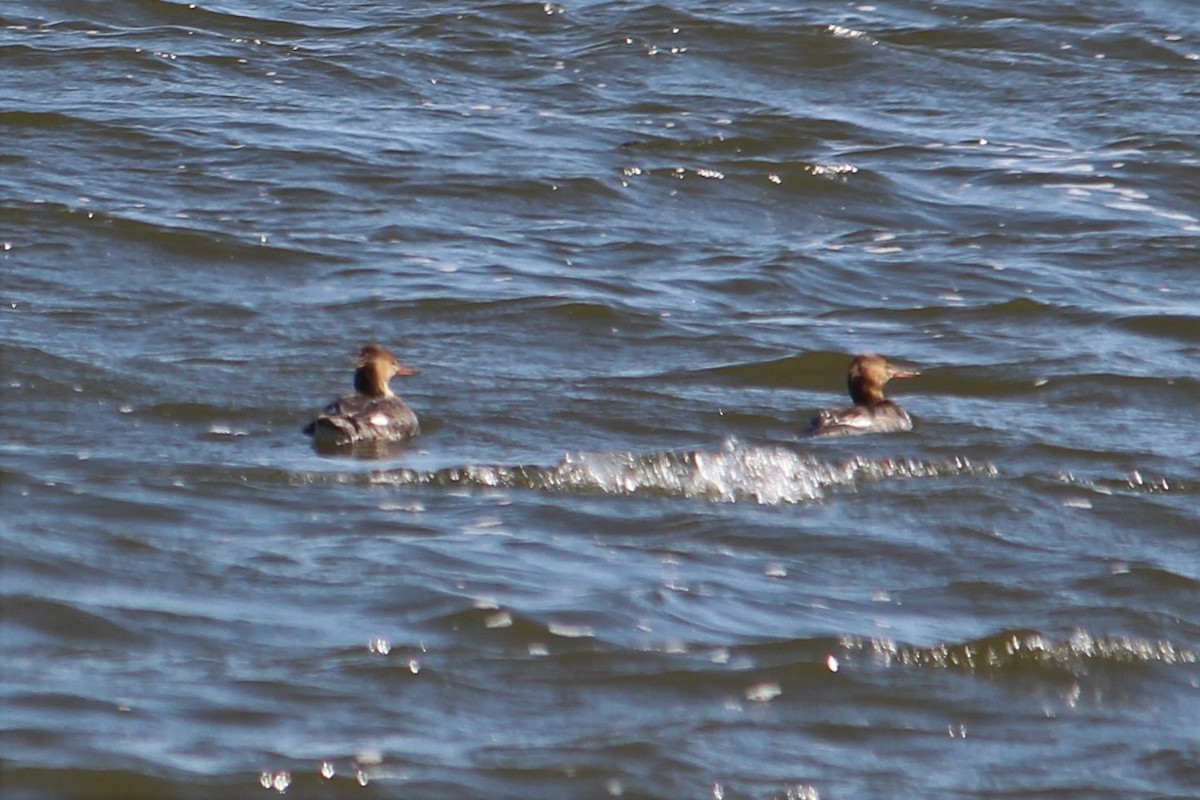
<point x="871" y="412"/>
<point x="373" y="413"/>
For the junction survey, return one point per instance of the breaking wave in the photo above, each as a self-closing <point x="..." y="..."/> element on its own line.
<point x="735" y="473"/>
<point x="1017" y="650"/>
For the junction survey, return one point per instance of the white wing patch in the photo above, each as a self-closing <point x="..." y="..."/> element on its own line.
<point x="379" y="420"/>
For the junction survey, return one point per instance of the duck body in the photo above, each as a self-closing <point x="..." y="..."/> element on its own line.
<point x="373" y="413"/>
<point x="885" y="417"/>
<point x="871" y="412"/>
<point x="354" y="418"/>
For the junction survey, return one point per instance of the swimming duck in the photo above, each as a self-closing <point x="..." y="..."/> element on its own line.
<point x="373" y="413"/>
<point x="871" y="412"/>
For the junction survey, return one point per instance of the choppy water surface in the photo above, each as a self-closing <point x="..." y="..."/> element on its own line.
<point x="631" y="247"/>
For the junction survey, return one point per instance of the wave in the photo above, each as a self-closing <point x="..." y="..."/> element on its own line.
<point x="768" y="475"/>
<point x="1020" y="651"/>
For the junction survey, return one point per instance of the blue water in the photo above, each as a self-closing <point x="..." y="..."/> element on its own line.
<point x="631" y="248"/>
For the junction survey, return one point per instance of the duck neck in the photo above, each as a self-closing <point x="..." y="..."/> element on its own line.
<point x="370" y="381"/>
<point x="866" y="394"/>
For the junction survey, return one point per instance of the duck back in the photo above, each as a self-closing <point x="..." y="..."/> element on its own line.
<point x="356" y="418"/>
